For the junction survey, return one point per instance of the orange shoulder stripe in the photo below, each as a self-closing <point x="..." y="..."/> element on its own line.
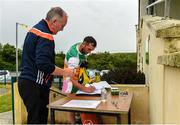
<point x="41" y="34"/>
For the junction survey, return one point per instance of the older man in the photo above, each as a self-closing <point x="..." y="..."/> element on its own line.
<point x="38" y="65"/>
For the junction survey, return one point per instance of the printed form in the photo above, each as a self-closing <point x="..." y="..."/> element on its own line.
<point x="97" y="85"/>
<point x="82" y="103"/>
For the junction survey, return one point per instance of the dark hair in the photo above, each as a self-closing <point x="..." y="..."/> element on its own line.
<point x="90" y="39"/>
<point x="55" y="11"/>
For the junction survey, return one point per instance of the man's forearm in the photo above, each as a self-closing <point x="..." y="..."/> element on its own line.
<point x="58" y="71"/>
<point x="78" y="85"/>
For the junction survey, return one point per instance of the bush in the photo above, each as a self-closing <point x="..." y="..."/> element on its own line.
<point x="7" y="66"/>
<point x="124" y="75"/>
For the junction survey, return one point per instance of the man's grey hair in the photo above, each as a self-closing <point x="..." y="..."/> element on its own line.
<point x="55" y="11"/>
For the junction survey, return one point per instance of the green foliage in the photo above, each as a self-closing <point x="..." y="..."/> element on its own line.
<point x="100" y="61"/>
<point x="59" y="59"/>
<point x="122" y="65"/>
<point x="7" y="65"/>
<point x="9" y="53"/>
<point x="19" y="55"/>
<point x="105" y="60"/>
<point x="5" y="103"/>
<point x="8" y="57"/>
<point x="6" y="99"/>
<point x="112" y="61"/>
<point x="1" y="47"/>
<point x="124" y="75"/>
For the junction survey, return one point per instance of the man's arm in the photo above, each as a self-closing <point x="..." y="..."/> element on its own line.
<point x="73" y="62"/>
<point x="81" y="87"/>
<point x="44" y="54"/>
<point x="63" y="72"/>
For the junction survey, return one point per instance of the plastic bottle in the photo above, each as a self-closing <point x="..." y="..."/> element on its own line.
<point x="98" y="77"/>
<point x="103" y="94"/>
<point x="67" y="83"/>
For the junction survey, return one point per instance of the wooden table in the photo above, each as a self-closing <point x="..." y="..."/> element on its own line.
<point x="116" y="105"/>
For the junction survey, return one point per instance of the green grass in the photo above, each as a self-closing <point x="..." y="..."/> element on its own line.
<point x="6" y="99"/>
<point x="5" y="103"/>
<point x="2" y="85"/>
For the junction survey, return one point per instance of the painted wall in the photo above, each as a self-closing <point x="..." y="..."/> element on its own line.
<point x="156" y="78"/>
<point x="19" y="108"/>
<point x="171" y="95"/>
<point x="142" y="7"/>
<point x="163" y="68"/>
<point x="155" y="73"/>
<point x="140" y="103"/>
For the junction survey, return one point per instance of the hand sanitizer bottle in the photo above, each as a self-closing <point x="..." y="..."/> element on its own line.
<point x="103" y="94"/>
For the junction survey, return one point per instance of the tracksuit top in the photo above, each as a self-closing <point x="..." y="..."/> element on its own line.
<point x="38" y="57"/>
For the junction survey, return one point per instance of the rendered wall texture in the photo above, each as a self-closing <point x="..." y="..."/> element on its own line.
<point x="163" y="69"/>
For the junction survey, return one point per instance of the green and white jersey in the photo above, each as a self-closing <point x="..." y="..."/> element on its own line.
<point x="73" y="59"/>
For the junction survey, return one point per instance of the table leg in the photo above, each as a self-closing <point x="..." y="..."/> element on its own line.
<point x="118" y="119"/>
<point x="129" y="116"/>
<point x="52" y="116"/>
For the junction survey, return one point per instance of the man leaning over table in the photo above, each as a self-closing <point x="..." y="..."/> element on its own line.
<point x="38" y="65"/>
<point x="76" y="58"/>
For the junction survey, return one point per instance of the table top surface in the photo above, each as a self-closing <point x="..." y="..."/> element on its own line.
<point x="114" y="104"/>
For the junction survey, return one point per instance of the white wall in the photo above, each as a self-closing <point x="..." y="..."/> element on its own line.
<point x="155" y="73"/>
<point x="164" y="87"/>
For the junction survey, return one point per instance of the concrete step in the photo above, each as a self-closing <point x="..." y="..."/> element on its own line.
<point x="6" y="118"/>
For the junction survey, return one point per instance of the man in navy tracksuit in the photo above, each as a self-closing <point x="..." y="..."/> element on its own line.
<point x="38" y="65"/>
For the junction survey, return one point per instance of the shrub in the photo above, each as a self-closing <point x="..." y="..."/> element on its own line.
<point x="124" y="75"/>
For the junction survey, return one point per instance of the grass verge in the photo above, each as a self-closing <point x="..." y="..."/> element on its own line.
<point x="6" y="99"/>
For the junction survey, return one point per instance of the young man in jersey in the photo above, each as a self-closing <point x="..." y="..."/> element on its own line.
<point x="76" y="58"/>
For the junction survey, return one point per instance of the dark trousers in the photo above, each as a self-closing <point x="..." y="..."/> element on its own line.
<point x="35" y="98"/>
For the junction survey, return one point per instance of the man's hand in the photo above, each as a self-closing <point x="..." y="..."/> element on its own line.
<point x="63" y="72"/>
<point x="68" y="72"/>
<point x="90" y="89"/>
<point x="92" y="80"/>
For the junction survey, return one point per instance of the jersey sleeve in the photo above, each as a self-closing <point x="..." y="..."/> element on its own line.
<point x="73" y="62"/>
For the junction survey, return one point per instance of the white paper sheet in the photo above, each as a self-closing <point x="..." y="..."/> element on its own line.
<point x="97" y="85"/>
<point x="96" y="92"/>
<point x="100" y="85"/>
<point x="82" y="103"/>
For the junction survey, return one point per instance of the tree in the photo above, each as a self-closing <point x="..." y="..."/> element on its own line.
<point x="60" y="59"/>
<point x="100" y="61"/>
<point x="9" y="53"/>
<point x="124" y="75"/>
<point x="1" y="48"/>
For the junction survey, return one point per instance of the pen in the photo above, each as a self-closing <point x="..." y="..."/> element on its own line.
<point x="92" y="85"/>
